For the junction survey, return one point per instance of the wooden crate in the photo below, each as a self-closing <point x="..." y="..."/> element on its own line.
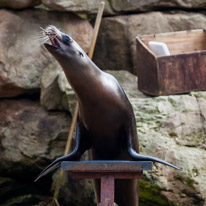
<point x="181" y="72"/>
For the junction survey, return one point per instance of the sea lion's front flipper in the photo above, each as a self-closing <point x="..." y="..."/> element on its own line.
<point x="81" y="146"/>
<point x="138" y="157"/>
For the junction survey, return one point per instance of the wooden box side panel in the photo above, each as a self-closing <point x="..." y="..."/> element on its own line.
<point x="182" y="73"/>
<point x="146" y="70"/>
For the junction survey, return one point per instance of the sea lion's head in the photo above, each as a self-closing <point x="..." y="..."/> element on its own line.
<point x="62" y="46"/>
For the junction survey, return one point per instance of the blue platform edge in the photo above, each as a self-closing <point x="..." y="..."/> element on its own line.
<point x="145" y="165"/>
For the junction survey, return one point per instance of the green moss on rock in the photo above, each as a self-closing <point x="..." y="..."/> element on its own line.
<point x="150" y="195"/>
<point x="22" y="200"/>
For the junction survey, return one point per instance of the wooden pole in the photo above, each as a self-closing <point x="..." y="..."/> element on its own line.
<point x="74" y="119"/>
<point x="96" y="29"/>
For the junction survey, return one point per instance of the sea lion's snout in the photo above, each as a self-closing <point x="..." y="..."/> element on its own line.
<point x="58" y="39"/>
<point x="52" y="31"/>
<point x="61" y="44"/>
<point x="54" y="35"/>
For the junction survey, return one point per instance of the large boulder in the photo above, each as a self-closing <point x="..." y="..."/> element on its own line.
<point x="30" y="135"/>
<point x="148" y="5"/>
<point x="23" y="57"/>
<point x="117" y="37"/>
<point x="16" y="4"/>
<point x="114" y="7"/>
<point x="78" y="6"/>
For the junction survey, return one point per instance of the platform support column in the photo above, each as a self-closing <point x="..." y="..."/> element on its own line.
<point x="107" y="171"/>
<point x="107" y="191"/>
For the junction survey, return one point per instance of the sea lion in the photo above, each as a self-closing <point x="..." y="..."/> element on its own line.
<point x="106" y="122"/>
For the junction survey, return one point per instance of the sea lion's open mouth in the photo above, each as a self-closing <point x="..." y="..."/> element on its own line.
<point x="54" y="41"/>
<point x="54" y="35"/>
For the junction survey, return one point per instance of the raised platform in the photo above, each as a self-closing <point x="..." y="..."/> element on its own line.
<point x="107" y="171"/>
<point x="106" y="166"/>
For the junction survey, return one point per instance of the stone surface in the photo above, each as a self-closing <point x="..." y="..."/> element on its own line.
<point x="30" y="134"/>
<point x="16" y="4"/>
<point x="117" y="38"/>
<point x="111" y="6"/>
<point x="22" y="57"/>
<point x="56" y="92"/>
<point x="114" y="7"/>
<point x="148" y="5"/>
<point x="78" y="6"/>
<point x="172" y="128"/>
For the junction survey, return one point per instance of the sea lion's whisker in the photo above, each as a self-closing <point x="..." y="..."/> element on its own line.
<point x="44" y="41"/>
<point x="41" y="39"/>
<point x="39" y="35"/>
<point x="42" y="28"/>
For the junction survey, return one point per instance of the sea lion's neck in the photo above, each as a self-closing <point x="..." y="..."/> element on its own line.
<point x="83" y="79"/>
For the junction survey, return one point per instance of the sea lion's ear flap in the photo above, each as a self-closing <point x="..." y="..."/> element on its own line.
<point x="81" y="54"/>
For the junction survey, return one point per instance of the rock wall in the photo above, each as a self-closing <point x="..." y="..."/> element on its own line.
<point x="112" y="7"/>
<point x="36" y="102"/>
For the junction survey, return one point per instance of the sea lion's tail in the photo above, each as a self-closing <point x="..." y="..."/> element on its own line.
<point x="55" y="164"/>
<point x="139" y="157"/>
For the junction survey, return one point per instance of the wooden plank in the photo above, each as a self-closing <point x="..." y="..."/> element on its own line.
<point x="180" y="42"/>
<point x="147" y="70"/>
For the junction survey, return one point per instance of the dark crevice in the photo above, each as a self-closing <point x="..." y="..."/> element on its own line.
<point x="171" y="10"/>
<point x="30" y="94"/>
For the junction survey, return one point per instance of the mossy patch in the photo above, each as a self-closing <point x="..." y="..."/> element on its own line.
<point x="150" y="195"/>
<point x="22" y="200"/>
<point x="173" y="102"/>
<point x="198" y="94"/>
